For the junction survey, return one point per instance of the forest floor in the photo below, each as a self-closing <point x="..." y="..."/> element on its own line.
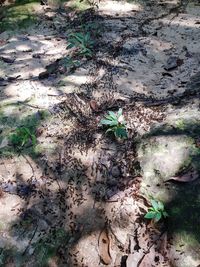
<point x="73" y="195"/>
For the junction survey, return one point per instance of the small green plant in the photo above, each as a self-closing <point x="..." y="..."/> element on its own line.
<point x="115" y="123"/>
<point x="21" y="137"/>
<point x="83" y="42"/>
<point x="157" y="211"/>
<point x="69" y="62"/>
<point x="180" y="124"/>
<point x="94" y="28"/>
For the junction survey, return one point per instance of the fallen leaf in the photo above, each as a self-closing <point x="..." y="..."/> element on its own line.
<point x="133" y="259"/>
<point x="2" y="42"/>
<point x="94" y="106"/>
<point x="187" y="177"/>
<point x="104" y="247"/>
<point x="148" y="260"/>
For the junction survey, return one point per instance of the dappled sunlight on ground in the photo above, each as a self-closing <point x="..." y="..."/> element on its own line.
<point x="62" y="189"/>
<point x="117" y="7"/>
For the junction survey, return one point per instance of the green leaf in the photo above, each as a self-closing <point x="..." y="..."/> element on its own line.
<point x="108" y="122"/>
<point x="150" y="215"/>
<point x="165" y="214"/>
<point x="113" y="123"/>
<point x="110" y="118"/>
<point x="120" y="112"/>
<point x="112" y="115"/>
<point x="154" y="203"/>
<point x="105" y="122"/>
<point x="160" y="206"/>
<point x="79" y="39"/>
<point x="70" y="45"/>
<point x="152" y="209"/>
<point x="121" y="132"/>
<point x="110" y="130"/>
<point x="22" y="136"/>
<point x="158" y="216"/>
<point x="34" y="140"/>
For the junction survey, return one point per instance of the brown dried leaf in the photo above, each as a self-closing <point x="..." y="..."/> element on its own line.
<point x="94" y="106"/>
<point x="148" y="259"/>
<point x="187" y="177"/>
<point x="104" y="247"/>
<point x="133" y="259"/>
<point x="2" y="41"/>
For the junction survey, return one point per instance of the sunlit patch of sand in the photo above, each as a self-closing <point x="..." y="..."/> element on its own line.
<point x="112" y="7"/>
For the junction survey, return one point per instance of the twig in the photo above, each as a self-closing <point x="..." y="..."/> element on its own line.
<point x="33" y="171"/>
<point x="29" y="243"/>
<point x="29" y="105"/>
<point x="148" y="250"/>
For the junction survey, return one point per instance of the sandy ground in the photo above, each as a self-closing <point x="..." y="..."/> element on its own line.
<point x="77" y="184"/>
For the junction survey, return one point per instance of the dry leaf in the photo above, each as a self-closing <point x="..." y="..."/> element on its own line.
<point x="94" y="106"/>
<point x="2" y="42"/>
<point x="187" y="177"/>
<point x="133" y="259"/>
<point x="104" y="247"/>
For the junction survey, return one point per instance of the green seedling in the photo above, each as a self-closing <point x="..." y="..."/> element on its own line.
<point x="115" y="123"/>
<point x="83" y="42"/>
<point x="180" y="124"/>
<point x="22" y="137"/>
<point x="68" y="62"/>
<point x="157" y="211"/>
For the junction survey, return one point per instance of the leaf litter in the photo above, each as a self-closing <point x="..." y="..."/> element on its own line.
<point x="77" y="190"/>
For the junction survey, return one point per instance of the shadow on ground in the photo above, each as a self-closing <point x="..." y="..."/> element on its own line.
<point x="53" y="214"/>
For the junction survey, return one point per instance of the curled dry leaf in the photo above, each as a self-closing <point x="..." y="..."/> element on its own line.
<point x="104" y="247"/>
<point x="187" y="177"/>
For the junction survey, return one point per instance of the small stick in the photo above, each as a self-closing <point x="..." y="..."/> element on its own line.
<point x="29" y="243"/>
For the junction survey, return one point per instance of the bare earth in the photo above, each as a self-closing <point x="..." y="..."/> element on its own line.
<point x="78" y="197"/>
